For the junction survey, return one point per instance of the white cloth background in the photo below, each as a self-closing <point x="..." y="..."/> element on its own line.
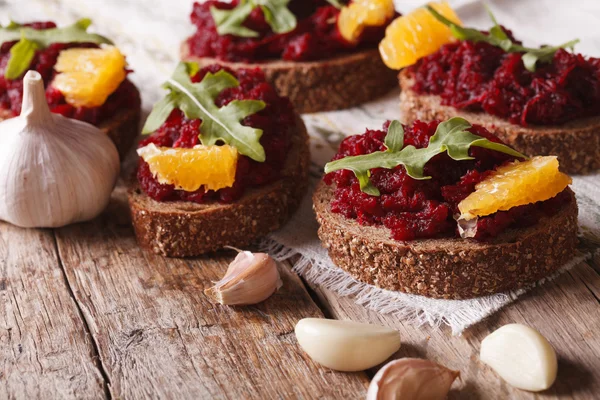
<point x="150" y="31"/>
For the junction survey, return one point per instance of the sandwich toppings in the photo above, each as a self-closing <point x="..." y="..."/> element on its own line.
<point x="216" y="134"/>
<point x="412" y="180"/>
<point x="83" y="81"/>
<point x="415" y="35"/>
<point x="293" y="30"/>
<point x="213" y="167"/>
<point x="494" y="73"/>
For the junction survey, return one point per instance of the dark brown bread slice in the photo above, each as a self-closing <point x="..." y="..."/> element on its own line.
<point x="341" y="82"/>
<point x="185" y="229"/>
<point x="122" y="128"/>
<point x="576" y="143"/>
<point x="447" y="268"/>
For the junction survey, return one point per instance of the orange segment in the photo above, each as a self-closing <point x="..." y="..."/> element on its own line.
<point x="359" y="14"/>
<point x="88" y="76"/>
<point x="188" y="169"/>
<point x="513" y="185"/>
<point x="416" y="35"/>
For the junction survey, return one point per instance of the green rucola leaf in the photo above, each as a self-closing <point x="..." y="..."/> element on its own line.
<point x="277" y="15"/>
<point x="451" y="136"/>
<point x="229" y="22"/>
<point x="544" y="54"/>
<point x="497" y="37"/>
<point x="197" y="101"/>
<point x="21" y="55"/>
<point x="45" y="37"/>
<point x="394" y="140"/>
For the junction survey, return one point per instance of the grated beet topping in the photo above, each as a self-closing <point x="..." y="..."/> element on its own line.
<point x="277" y="120"/>
<point x="481" y="77"/>
<point x="414" y="209"/>
<point x="316" y="36"/>
<point x="11" y="90"/>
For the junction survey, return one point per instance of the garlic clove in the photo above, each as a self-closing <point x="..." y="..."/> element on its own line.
<point x="411" y="378"/>
<point x="54" y="171"/>
<point x="521" y="356"/>
<point x="346" y="345"/>
<point x="250" y="279"/>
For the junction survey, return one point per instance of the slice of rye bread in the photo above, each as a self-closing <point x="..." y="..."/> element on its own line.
<point x="341" y="82"/>
<point x="576" y="143"/>
<point x="447" y="268"/>
<point x="186" y="229"/>
<point x="123" y="127"/>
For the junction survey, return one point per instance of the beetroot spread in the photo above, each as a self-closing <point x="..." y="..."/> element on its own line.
<point x="316" y="36"/>
<point x="277" y="121"/>
<point x="481" y="77"/>
<point x="414" y="209"/>
<point x="11" y="91"/>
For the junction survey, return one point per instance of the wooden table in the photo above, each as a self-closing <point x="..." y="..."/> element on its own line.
<point x="84" y="313"/>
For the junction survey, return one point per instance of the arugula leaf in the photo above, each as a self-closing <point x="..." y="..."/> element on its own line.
<point x="276" y="12"/>
<point x="497" y="37"/>
<point x="197" y="101"/>
<point x="31" y="39"/>
<point x="450" y="136"/>
<point x="21" y="55"/>
<point x="544" y="54"/>
<point x="45" y="37"/>
<point x="229" y="22"/>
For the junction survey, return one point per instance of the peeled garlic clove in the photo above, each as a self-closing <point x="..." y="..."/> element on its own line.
<point x="54" y="171"/>
<point x="346" y="345"/>
<point x="411" y="378"/>
<point x="521" y="356"/>
<point x="250" y="279"/>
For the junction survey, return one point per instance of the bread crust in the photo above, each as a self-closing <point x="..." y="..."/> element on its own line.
<point x="185" y="229"/>
<point x="576" y="143"/>
<point x="334" y="84"/>
<point x="122" y="128"/>
<point x="447" y="268"/>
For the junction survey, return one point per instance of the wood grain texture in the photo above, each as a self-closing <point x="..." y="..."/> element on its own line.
<point x="159" y="336"/>
<point x="565" y="311"/>
<point x="45" y="350"/>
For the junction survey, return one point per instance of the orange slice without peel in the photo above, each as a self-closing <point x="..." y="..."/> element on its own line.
<point x="359" y="14"/>
<point x="416" y="35"/>
<point x="515" y="184"/>
<point x="88" y="76"/>
<point x="188" y="169"/>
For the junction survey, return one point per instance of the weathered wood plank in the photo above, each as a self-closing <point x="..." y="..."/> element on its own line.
<point x="45" y="350"/>
<point x="565" y="311"/>
<point x="159" y="336"/>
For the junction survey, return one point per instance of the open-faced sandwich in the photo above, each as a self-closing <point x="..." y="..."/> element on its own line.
<point x="84" y="75"/>
<point x="226" y="162"/>
<point x="542" y="101"/>
<point x="444" y="210"/>
<point x="319" y="53"/>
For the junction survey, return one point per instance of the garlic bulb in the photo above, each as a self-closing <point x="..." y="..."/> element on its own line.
<point x="250" y="279"/>
<point x="346" y="345"/>
<point x="521" y="356"/>
<point x="54" y="171"/>
<point x="411" y="378"/>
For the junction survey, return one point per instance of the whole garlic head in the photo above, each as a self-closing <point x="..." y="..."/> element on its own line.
<point x="54" y="171"/>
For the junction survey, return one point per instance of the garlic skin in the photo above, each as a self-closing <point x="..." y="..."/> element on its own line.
<point x="54" y="171"/>
<point x="346" y="345"/>
<point x="521" y="356"/>
<point x="411" y="378"/>
<point x="250" y="279"/>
